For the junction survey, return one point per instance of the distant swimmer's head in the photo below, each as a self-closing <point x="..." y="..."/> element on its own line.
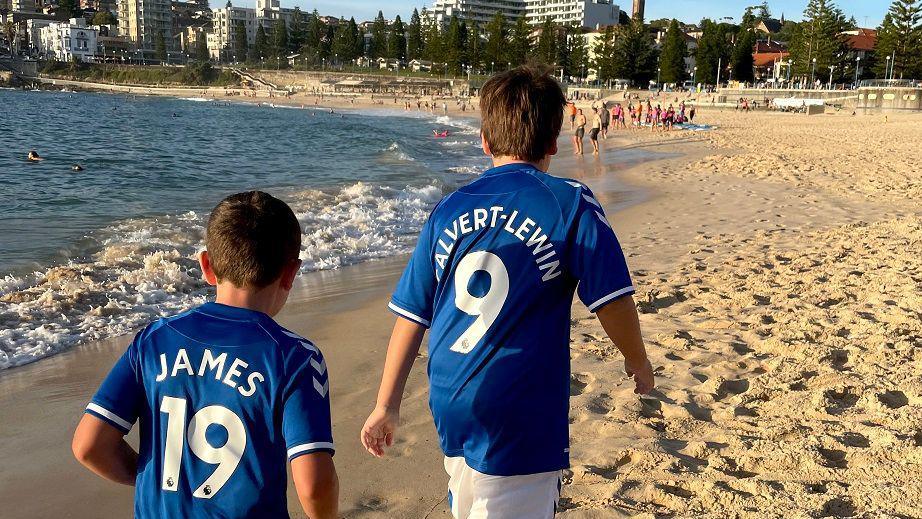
<point x="34" y="157"/>
<point x="252" y="242"/>
<point x="77" y="167"/>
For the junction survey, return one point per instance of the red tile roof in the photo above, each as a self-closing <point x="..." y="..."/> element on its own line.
<point x="865" y="40"/>
<point x="765" y="59"/>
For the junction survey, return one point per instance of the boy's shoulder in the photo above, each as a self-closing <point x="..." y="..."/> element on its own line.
<point x="566" y="191"/>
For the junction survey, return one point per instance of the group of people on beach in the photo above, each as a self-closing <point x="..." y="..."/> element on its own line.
<point x="642" y="115"/>
<point x="227" y="400"/>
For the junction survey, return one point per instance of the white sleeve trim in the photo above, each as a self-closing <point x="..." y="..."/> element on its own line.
<point x="102" y="411"/>
<point x="297" y="449"/>
<point x="409" y="315"/>
<point x="609" y="297"/>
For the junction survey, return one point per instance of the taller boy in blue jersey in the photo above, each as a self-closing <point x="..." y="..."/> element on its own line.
<point x="493" y="278"/>
<point x="223" y="395"/>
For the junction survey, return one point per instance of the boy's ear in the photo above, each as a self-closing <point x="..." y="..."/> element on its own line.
<point x="207" y="272"/>
<point x="553" y="149"/>
<point x="485" y="145"/>
<point x="289" y="274"/>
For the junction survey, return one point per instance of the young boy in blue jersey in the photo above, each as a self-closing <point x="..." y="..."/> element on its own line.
<point x="222" y="393"/>
<point x="493" y="278"/>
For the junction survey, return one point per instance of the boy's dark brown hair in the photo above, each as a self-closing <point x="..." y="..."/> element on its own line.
<point x="522" y="112"/>
<point x="250" y="238"/>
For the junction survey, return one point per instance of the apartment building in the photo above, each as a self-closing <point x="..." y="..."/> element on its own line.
<point x="142" y="20"/>
<point x="582" y="13"/>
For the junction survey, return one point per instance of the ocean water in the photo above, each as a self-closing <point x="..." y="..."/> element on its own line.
<point x="96" y="253"/>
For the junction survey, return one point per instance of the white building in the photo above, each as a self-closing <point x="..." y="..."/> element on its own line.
<point x="481" y="11"/>
<point x="222" y="39"/>
<point x="68" y="41"/>
<point x="584" y="13"/>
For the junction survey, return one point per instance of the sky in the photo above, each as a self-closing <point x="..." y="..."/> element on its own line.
<point x="868" y="13"/>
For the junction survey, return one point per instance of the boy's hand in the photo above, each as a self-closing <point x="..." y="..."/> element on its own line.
<point x="379" y="430"/>
<point x="642" y="372"/>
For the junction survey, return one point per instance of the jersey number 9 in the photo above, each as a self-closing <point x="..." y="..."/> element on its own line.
<point x="486" y="307"/>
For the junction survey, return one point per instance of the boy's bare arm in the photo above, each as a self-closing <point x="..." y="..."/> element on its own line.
<point x="317" y="484"/>
<point x="102" y="448"/>
<point x="402" y="350"/>
<point x="620" y="321"/>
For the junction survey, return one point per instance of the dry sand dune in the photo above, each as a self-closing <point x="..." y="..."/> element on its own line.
<point x="779" y="280"/>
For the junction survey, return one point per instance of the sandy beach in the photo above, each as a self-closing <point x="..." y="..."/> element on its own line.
<point x="778" y="261"/>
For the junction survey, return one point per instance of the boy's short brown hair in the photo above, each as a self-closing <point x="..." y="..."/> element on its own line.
<point x="250" y="238"/>
<point x="522" y="112"/>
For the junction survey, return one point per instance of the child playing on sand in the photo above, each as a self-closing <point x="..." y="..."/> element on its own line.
<point x="225" y="396"/>
<point x="493" y="276"/>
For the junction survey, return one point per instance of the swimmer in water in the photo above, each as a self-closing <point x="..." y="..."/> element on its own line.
<point x="34" y="157"/>
<point x="77" y="167"/>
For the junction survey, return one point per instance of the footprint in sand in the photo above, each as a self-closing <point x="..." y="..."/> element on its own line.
<point x="579" y="382"/>
<point x="838" y="401"/>
<point x="832" y="458"/>
<point x="893" y="399"/>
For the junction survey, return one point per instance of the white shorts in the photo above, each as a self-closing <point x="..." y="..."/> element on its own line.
<point x="474" y="495"/>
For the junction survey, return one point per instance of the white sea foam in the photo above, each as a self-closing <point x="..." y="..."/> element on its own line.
<point x="197" y="99"/>
<point x="146" y="268"/>
<point x="397" y="152"/>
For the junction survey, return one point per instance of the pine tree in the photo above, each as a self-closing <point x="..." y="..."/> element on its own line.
<point x="160" y="46"/>
<point x="358" y="42"/>
<point x="474" y="52"/>
<point x="712" y="52"/>
<point x="546" y="48"/>
<point x="519" y="43"/>
<point x="343" y="45"/>
<point x="296" y="31"/>
<point x="495" y="46"/>
<point x="637" y="54"/>
<point x="261" y="46"/>
<point x="454" y="45"/>
<point x="280" y="42"/>
<point x="605" y="58"/>
<point x="562" y="56"/>
<point x="241" y="45"/>
<point x="378" y="47"/>
<point x="818" y="37"/>
<point x="742" y="61"/>
<point x="414" y="37"/>
<point x="673" y="54"/>
<point x="314" y="32"/>
<point x="433" y="50"/>
<point x="900" y="38"/>
<point x="397" y="40"/>
<point x="578" y="55"/>
<point x="201" y="49"/>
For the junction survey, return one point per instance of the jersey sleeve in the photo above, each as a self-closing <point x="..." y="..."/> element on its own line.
<point x="306" y="422"/>
<point x="118" y="400"/>
<point x="414" y="296"/>
<point x="596" y="258"/>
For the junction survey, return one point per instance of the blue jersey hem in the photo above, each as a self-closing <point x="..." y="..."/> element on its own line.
<point x="488" y="469"/>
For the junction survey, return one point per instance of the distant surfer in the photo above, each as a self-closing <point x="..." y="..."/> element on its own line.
<point x="34" y="157"/>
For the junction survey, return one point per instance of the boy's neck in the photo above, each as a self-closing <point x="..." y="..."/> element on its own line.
<point x="259" y="300"/>
<point x="503" y="161"/>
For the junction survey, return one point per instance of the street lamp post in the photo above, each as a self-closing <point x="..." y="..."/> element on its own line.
<point x="492" y="63"/>
<point x="857" y="68"/>
<point x="659" y="70"/>
<point x="887" y="69"/>
<point x="813" y="74"/>
<point x="695" y="78"/>
<point x="831" y="70"/>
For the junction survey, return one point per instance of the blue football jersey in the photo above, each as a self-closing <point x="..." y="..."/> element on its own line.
<point x="493" y="277"/>
<point x="224" y="396"/>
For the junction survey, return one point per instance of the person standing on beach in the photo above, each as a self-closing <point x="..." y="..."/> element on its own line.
<point x="493" y="277"/>
<point x="594" y="132"/>
<point x="579" y="133"/>
<point x="571" y="111"/>
<point x="605" y="115"/>
<point x="225" y="396"/>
